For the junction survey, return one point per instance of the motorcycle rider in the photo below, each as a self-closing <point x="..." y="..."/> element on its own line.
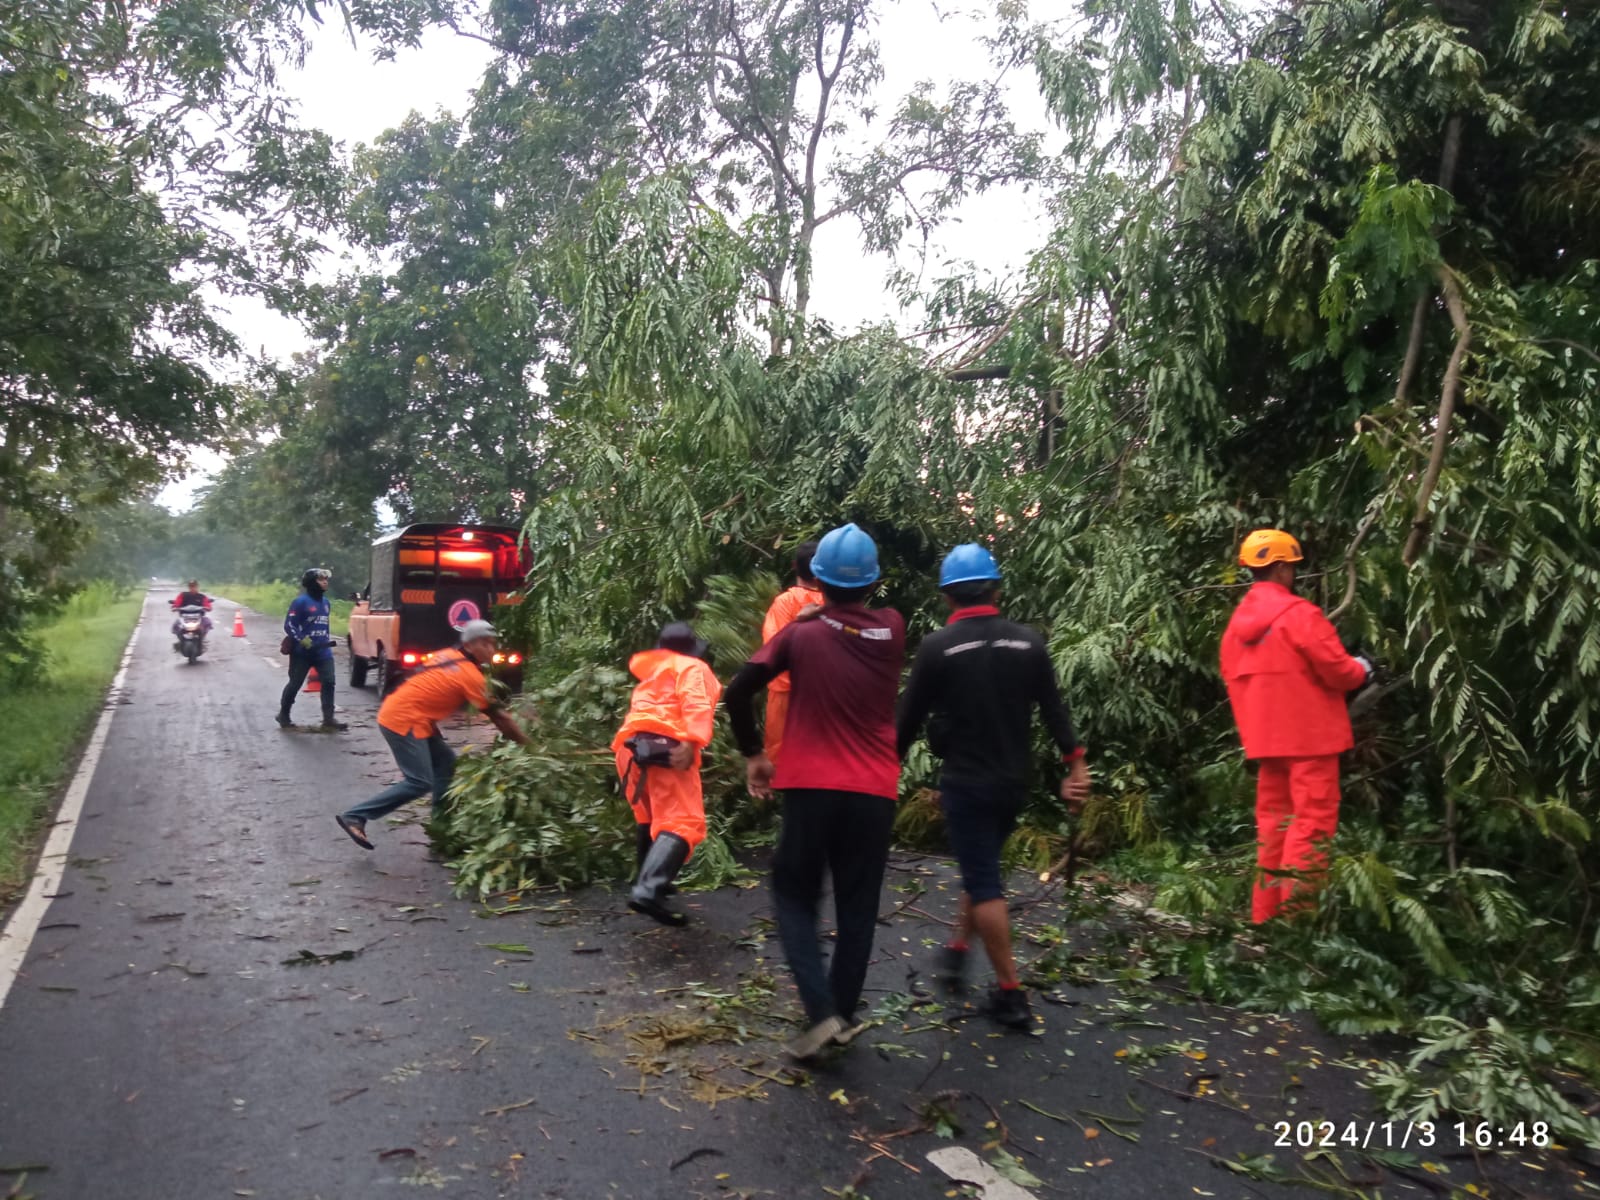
<point x="192" y="596"/>
<point x="310" y="644"/>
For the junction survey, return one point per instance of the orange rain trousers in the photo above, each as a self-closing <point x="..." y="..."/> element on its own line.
<point x="1297" y="808"/>
<point x="666" y="800"/>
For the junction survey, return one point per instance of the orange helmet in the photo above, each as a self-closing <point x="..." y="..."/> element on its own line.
<point x="1267" y="546"/>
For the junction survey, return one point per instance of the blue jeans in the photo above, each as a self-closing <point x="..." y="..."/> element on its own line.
<point x="428" y="765"/>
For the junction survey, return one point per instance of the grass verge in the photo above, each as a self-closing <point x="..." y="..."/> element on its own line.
<point x="45" y="721"/>
<point x="273" y="599"/>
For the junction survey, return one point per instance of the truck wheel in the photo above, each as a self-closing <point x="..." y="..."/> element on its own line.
<point x="358" y="670"/>
<point x="384" y="674"/>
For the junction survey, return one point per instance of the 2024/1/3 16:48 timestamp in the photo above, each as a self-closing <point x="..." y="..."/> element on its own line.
<point x="1421" y="1135"/>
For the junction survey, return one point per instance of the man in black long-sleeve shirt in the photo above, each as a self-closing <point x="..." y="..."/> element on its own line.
<point x="979" y="678"/>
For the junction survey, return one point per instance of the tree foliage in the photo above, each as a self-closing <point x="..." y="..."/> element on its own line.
<point x="148" y="165"/>
<point x="1301" y="275"/>
<point x="1328" y="266"/>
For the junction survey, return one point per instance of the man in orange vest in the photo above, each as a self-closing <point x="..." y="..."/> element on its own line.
<point x="670" y="721"/>
<point x="803" y="599"/>
<point x="1287" y="676"/>
<point x="409" y="721"/>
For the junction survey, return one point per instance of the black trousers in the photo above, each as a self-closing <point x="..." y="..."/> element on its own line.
<point x="846" y="834"/>
<point x="299" y="667"/>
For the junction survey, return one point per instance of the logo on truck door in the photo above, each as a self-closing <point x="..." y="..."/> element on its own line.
<point x="463" y="611"/>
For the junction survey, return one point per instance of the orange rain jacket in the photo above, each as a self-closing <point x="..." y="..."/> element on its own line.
<point x="782" y="612"/>
<point x="1287" y="675"/>
<point x="676" y="696"/>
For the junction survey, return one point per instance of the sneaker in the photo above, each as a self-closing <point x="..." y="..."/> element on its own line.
<point x="284" y="722"/>
<point x="814" y="1039"/>
<point x="1009" y="1007"/>
<point x="951" y="970"/>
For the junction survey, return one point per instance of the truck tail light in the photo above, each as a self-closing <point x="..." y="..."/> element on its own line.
<point x="409" y="659"/>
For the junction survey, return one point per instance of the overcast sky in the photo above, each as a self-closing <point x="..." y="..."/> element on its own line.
<point x="344" y="92"/>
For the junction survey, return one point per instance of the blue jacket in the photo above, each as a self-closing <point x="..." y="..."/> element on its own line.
<point x="309" y="618"/>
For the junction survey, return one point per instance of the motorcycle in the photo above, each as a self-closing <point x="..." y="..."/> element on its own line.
<point x="191" y="632"/>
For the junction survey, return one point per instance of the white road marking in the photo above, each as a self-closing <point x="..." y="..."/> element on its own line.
<point x="24" y="923"/>
<point x="963" y="1166"/>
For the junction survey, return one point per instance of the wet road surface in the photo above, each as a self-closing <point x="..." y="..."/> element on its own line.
<point x="228" y="998"/>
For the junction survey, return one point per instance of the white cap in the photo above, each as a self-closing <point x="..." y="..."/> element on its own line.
<point x="473" y="630"/>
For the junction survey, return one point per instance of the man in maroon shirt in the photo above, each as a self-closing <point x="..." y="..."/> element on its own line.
<point x="839" y="776"/>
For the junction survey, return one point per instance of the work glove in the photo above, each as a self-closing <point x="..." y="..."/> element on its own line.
<point x="1366" y="665"/>
<point x="305" y="644"/>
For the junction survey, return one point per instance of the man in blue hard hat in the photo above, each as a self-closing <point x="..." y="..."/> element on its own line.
<point x="976" y="682"/>
<point x="838" y="776"/>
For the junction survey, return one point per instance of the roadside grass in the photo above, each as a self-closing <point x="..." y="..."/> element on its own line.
<point x="45" y="721"/>
<point x="272" y="600"/>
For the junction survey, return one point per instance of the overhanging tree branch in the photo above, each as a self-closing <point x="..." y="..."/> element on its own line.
<point x="1447" y="405"/>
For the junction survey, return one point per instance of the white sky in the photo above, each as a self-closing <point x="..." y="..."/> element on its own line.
<point x="344" y="92"/>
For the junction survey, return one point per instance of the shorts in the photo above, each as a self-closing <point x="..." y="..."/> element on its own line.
<point x="978" y="820"/>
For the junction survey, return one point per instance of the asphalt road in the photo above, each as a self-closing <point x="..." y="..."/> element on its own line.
<point x="228" y="998"/>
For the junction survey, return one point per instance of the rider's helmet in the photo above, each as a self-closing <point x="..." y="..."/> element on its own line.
<point x="316" y="577"/>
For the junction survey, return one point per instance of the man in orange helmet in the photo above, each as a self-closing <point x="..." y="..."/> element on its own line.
<point x="803" y="599"/>
<point x="1287" y="676"/>
<point x="670" y="721"/>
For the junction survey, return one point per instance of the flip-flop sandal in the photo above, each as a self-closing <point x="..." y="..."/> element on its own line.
<point x="357" y="832"/>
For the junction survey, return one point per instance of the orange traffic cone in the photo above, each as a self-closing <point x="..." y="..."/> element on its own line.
<point x="313" y="684"/>
<point x="238" y="622"/>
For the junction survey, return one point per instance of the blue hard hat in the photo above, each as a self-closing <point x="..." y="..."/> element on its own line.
<point x="967" y="564"/>
<point x="847" y="557"/>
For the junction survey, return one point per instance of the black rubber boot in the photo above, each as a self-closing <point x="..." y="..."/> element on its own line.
<point x="666" y="858"/>
<point x="641" y="847"/>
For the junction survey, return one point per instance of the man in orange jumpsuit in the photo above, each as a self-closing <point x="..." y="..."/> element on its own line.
<point x="1287" y="675"/>
<point x="803" y="596"/>
<point x="670" y="720"/>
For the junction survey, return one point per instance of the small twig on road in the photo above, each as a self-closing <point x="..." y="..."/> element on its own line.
<point x="350" y="1095"/>
<point x="913" y="909"/>
<point x="1192" y="1096"/>
<point x="889" y="917"/>
<point x="505" y="1108"/>
<point x="1054" y="1116"/>
<point x="884" y="1152"/>
<point x="699" y="1152"/>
